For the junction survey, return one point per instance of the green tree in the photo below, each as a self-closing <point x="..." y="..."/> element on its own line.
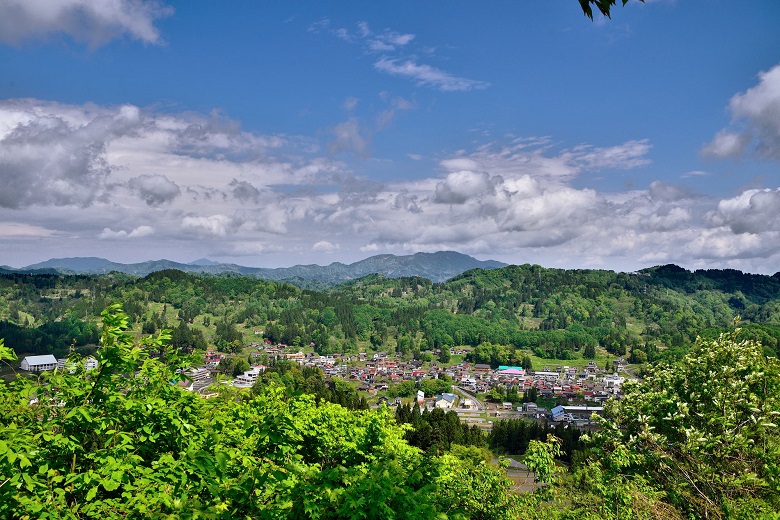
<point x="702" y="435"/>
<point x="589" y="352"/>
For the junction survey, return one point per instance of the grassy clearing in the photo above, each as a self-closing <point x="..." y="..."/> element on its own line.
<point x="602" y="357"/>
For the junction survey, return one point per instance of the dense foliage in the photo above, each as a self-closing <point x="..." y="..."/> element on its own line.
<point x="700" y="436"/>
<point x="437" y="430"/>
<point x="515" y="435"/>
<point x="122" y="441"/>
<point x="297" y="380"/>
<point x="696" y="438"/>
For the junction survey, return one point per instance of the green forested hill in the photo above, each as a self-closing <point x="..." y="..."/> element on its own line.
<point x="552" y="313"/>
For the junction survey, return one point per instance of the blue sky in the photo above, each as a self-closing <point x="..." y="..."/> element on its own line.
<point x="275" y="133"/>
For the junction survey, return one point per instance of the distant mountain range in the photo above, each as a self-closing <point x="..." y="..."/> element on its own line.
<point x="437" y="267"/>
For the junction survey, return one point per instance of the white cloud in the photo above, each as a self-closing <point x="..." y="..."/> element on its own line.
<point x="666" y="192"/>
<point x="388" y="43"/>
<point x="178" y="183"/>
<point x="213" y="225"/>
<point x="630" y="154"/>
<point x="428" y="76"/>
<point x="550" y="210"/>
<point x="245" y="191"/>
<point x="755" y="121"/>
<point x="461" y="186"/>
<point x="752" y="212"/>
<point x="48" y="158"/>
<point x="538" y="158"/>
<point x="94" y="22"/>
<point x="722" y="244"/>
<point x="727" y="143"/>
<point x="139" y="232"/>
<point x="350" y="103"/>
<point x="349" y="136"/>
<point x="324" y="246"/>
<point x="387" y="116"/>
<point x="18" y="229"/>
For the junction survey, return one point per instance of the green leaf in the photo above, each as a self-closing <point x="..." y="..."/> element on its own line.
<point x="91" y="494"/>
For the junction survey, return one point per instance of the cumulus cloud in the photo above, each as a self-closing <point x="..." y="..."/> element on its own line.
<point x="324" y="246"/>
<point x="48" y="158"/>
<point x="245" y="191"/>
<point x="141" y="178"/>
<point x="95" y="23"/>
<point x="753" y="212"/>
<point x="722" y="244"/>
<point x="566" y="207"/>
<point x="727" y="143"/>
<point x="213" y="225"/>
<point x="461" y="186"/>
<point x="755" y="124"/>
<point x="139" y="232"/>
<point x="667" y="219"/>
<point x="428" y="76"/>
<point x="666" y="192"/>
<point x="407" y="202"/>
<point x="155" y="190"/>
<point x="76" y="155"/>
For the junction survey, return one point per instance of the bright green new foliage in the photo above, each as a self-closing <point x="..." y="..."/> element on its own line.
<point x="702" y="435"/>
<point x="123" y="441"/>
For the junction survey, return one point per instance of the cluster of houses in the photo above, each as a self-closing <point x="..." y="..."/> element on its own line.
<point x="583" y="389"/>
<point x="375" y="372"/>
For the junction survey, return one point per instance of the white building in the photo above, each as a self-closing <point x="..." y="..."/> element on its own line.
<point x="248" y="378"/>
<point x="90" y="363"/>
<point x="39" y="363"/>
<point x="198" y="375"/>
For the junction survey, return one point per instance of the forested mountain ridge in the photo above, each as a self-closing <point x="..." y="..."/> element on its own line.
<point x="504" y="313"/>
<point x="437" y="266"/>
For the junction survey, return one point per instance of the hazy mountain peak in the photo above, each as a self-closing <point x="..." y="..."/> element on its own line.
<point x="436" y="267"/>
<point x="203" y="261"/>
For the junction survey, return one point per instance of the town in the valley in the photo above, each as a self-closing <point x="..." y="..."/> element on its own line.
<point x="556" y="393"/>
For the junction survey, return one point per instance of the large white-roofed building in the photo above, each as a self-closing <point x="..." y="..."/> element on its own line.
<point x="39" y="363"/>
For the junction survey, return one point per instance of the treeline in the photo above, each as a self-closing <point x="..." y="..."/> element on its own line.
<point x="436" y="429"/>
<point x="298" y="380"/>
<point x="513" y="436"/>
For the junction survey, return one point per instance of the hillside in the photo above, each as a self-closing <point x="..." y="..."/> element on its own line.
<point x="695" y="439"/>
<point x="550" y="313"/>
